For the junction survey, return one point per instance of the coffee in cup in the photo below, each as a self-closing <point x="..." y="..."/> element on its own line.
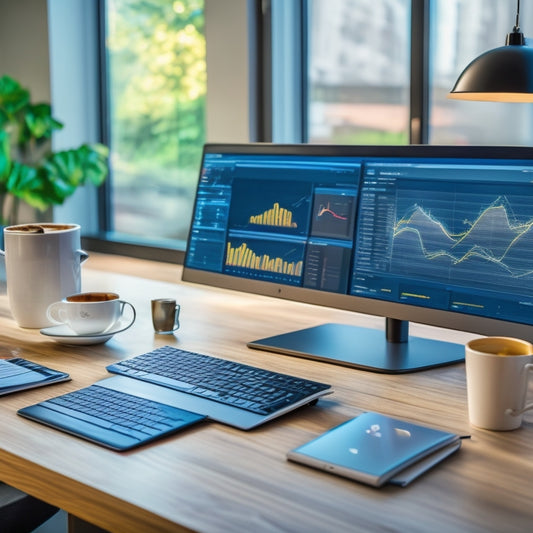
<point x="497" y="376"/>
<point x="39" y="228"/>
<point x="90" y="313"/>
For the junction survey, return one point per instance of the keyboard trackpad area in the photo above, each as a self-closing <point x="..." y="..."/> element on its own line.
<point x="219" y="412"/>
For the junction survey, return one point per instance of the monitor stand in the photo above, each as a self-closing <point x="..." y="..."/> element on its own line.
<point x="392" y="352"/>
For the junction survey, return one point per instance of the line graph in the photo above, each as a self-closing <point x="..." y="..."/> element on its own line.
<point x="326" y="210"/>
<point x="333" y="215"/>
<point x="494" y="244"/>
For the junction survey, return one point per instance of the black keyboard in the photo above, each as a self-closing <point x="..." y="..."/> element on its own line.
<point x="253" y="389"/>
<point x="110" y="417"/>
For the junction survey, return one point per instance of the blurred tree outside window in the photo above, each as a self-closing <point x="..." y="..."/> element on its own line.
<point x="156" y="89"/>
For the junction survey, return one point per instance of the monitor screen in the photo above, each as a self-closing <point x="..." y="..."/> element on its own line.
<point x="437" y="235"/>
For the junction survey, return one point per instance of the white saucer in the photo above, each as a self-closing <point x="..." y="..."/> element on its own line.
<point x="63" y="334"/>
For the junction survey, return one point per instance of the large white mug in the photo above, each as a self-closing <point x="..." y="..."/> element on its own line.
<point x="497" y="377"/>
<point x="42" y="266"/>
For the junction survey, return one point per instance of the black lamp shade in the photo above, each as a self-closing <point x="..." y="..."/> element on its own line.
<point x="503" y="74"/>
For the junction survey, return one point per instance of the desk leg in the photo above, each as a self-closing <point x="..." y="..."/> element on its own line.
<point x="77" y="525"/>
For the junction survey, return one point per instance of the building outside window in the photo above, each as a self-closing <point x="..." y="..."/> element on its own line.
<point x="358" y="72"/>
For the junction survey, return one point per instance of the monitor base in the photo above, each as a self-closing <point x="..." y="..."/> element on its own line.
<point x="363" y="348"/>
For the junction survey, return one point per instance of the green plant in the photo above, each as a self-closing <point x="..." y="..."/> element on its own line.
<point x="29" y="170"/>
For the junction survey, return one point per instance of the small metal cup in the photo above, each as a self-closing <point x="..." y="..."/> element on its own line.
<point x="165" y="315"/>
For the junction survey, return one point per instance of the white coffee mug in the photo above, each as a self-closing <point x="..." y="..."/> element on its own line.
<point x="42" y="266"/>
<point x="497" y="375"/>
<point x="89" y="313"/>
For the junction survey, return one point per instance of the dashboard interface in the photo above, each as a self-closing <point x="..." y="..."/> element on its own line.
<point x="448" y="234"/>
<point x="283" y="219"/>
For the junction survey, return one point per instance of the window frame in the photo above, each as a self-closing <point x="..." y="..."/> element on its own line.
<point x="251" y="75"/>
<point x="277" y="73"/>
<point x="104" y="240"/>
<point x="296" y="12"/>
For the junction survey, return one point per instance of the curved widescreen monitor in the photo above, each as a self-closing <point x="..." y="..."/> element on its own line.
<point x="438" y="235"/>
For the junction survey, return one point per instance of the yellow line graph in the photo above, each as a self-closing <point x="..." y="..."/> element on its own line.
<point x="499" y="212"/>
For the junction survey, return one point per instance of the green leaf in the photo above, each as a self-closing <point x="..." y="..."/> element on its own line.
<point x="30" y="185"/>
<point x="39" y="122"/>
<point x="5" y="157"/>
<point x="67" y="170"/>
<point x="4" y="118"/>
<point x="23" y="181"/>
<point x="95" y="163"/>
<point x="13" y="97"/>
<point x="21" y="178"/>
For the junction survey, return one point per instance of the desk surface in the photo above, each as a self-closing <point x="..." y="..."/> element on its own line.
<point x="216" y="478"/>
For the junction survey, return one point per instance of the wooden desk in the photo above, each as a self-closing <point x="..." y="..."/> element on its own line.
<point x="216" y="478"/>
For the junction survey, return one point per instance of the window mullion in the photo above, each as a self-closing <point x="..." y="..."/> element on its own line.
<point x="419" y="86"/>
<point x="287" y="71"/>
<point x="105" y="216"/>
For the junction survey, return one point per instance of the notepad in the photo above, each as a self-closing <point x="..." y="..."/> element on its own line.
<point x="18" y="374"/>
<point x="376" y="449"/>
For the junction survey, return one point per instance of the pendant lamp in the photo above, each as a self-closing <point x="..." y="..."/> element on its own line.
<point x="504" y="74"/>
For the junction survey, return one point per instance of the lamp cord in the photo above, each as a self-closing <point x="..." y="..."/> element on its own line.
<point x="517" y="24"/>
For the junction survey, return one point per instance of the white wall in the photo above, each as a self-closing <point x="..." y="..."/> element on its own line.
<point x="24" y="45"/>
<point x="24" y="53"/>
<point x="74" y="88"/>
<point x="227" y="71"/>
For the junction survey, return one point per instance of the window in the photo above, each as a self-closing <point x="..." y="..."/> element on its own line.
<point x="460" y="32"/>
<point x="156" y="89"/>
<point x="325" y="71"/>
<point x="363" y="85"/>
<point x="358" y="71"/>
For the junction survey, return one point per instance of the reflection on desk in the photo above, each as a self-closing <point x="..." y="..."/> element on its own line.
<point x="218" y="478"/>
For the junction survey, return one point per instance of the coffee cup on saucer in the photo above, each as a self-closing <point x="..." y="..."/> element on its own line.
<point x="89" y="313"/>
